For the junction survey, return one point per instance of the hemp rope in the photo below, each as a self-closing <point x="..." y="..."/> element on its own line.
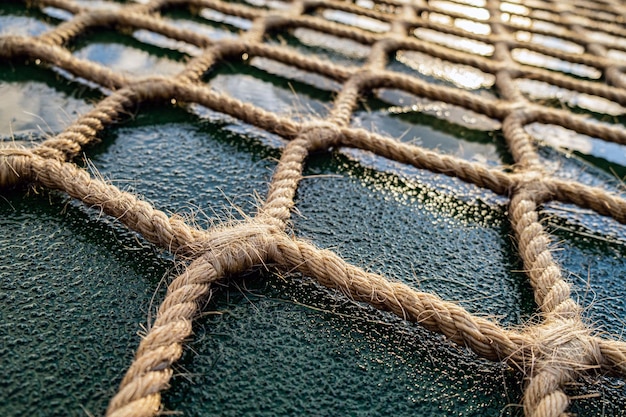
<point x="551" y="353"/>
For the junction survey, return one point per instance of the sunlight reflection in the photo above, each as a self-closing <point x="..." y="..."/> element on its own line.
<point x="161" y="41"/>
<point x="56" y="13"/>
<point x="463" y="76"/>
<point x="220" y="17"/>
<point x="362" y="22"/>
<point x="22" y="26"/>
<point x="465" y="24"/>
<point x="473" y="27"/>
<point x="130" y="60"/>
<point x="539" y="90"/>
<point x="617" y="55"/>
<point x="444" y="19"/>
<point x="36" y="110"/>
<point x="605" y="38"/>
<point x="403" y="103"/>
<point x="555" y="29"/>
<point x="517" y="9"/>
<point x="270" y="4"/>
<point x="475" y="3"/>
<point x="211" y="32"/>
<point x="468" y="11"/>
<point x="98" y="4"/>
<point x="550" y="42"/>
<point x="516" y="20"/>
<point x="455" y="42"/>
<point x="347" y="47"/>
<point x="292" y="73"/>
<point x="366" y="4"/>
<point x="524" y="56"/>
<point x="560" y="137"/>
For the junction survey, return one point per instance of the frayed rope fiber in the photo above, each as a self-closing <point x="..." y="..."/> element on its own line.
<point x="551" y="353"/>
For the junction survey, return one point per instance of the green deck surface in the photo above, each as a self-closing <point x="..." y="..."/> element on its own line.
<point x="76" y="287"/>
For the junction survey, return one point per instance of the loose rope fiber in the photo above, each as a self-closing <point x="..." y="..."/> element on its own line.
<point x="554" y="352"/>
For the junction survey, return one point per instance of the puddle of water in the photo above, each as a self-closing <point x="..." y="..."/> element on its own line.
<point x="59" y="14"/>
<point x="17" y="21"/>
<point x="156" y="39"/>
<point x="287" y="71"/>
<point x="128" y="59"/>
<point x="435" y="69"/>
<point x="363" y="22"/>
<point x="596" y="151"/>
<point x="36" y="110"/>
<point x="219" y="17"/>
<point x="22" y="26"/>
<point x="98" y="4"/>
<point x="420" y="122"/>
<point x="454" y="42"/>
<point x="269" y="96"/>
<point x="524" y="56"/>
<point x="583" y="168"/>
<point x="38" y="102"/>
<point x="408" y="103"/>
<point x="326" y="47"/>
<point x="346" y="47"/>
<point x="186" y="20"/>
<point x="539" y="90"/>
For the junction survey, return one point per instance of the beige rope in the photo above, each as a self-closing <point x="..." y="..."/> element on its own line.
<point x="551" y="353"/>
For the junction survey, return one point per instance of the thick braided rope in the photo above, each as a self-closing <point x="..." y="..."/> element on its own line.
<point x="562" y="345"/>
<point x="551" y="354"/>
<point x="426" y="309"/>
<point x="235" y="249"/>
<point x="562" y="339"/>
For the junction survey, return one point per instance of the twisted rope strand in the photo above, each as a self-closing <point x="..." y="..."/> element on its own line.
<point x="551" y="353"/>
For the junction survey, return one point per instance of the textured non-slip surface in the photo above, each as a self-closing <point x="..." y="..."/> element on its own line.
<point x="278" y="343"/>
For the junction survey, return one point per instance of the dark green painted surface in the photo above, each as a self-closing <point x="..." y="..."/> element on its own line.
<point x="76" y="287"/>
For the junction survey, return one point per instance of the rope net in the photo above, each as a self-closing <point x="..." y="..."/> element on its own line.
<point x="553" y="352"/>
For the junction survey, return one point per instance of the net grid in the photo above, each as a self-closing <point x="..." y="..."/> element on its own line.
<point x="551" y="353"/>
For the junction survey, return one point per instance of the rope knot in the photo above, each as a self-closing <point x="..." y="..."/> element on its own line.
<point x="321" y="135"/>
<point x="533" y="182"/>
<point x="237" y="248"/>
<point x="566" y="344"/>
<point x="561" y="349"/>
